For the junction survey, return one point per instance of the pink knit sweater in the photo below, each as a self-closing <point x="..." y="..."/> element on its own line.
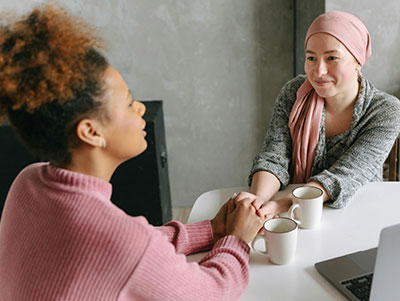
<point x="61" y="238"/>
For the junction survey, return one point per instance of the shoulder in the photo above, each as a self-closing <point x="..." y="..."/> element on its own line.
<point x="297" y="81"/>
<point x="377" y="109"/>
<point x="288" y="94"/>
<point x="386" y="100"/>
<point x="29" y="174"/>
<point x="382" y="102"/>
<point x="33" y="168"/>
<point x="293" y="85"/>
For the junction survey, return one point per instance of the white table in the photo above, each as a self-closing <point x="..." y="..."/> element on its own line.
<point x="341" y="231"/>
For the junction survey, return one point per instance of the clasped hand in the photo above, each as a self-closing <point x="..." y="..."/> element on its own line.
<point x="244" y="214"/>
<point x="238" y="217"/>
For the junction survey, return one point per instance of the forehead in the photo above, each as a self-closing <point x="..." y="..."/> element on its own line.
<point x="113" y="81"/>
<point x="321" y="42"/>
<point x="116" y="93"/>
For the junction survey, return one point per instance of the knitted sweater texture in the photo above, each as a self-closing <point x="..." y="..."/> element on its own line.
<point x="344" y="162"/>
<point x="61" y="238"/>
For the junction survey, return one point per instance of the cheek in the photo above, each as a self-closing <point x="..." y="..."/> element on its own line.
<point x="134" y="127"/>
<point x="308" y="69"/>
<point x="124" y="121"/>
<point x="345" y="74"/>
<point x="135" y="123"/>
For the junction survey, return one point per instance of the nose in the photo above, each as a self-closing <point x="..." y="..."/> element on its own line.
<point x="321" y="68"/>
<point x="141" y="108"/>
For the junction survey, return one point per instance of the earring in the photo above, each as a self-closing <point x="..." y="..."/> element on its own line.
<point x="103" y="144"/>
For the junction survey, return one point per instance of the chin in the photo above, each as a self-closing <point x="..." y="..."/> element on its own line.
<point x="141" y="150"/>
<point x="324" y="92"/>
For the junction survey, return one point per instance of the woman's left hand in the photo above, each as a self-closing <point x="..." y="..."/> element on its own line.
<point x="272" y="209"/>
<point x="218" y="223"/>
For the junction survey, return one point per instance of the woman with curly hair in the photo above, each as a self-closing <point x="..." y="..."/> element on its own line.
<point x="60" y="236"/>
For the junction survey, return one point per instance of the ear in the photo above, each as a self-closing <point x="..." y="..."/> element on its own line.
<point x="89" y="131"/>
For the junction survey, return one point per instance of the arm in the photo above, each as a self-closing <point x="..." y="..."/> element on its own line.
<point x="263" y="188"/>
<point x="364" y="158"/>
<point x="276" y="154"/>
<point x="188" y="238"/>
<point x="223" y="274"/>
<point x="162" y="274"/>
<point x="265" y="185"/>
<point x="192" y="238"/>
<point x="273" y="208"/>
<point x="196" y="237"/>
<point x="270" y="169"/>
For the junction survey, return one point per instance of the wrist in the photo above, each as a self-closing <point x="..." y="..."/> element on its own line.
<point x="216" y="231"/>
<point x="320" y="186"/>
<point x="260" y="195"/>
<point x="240" y="236"/>
<point x="282" y="205"/>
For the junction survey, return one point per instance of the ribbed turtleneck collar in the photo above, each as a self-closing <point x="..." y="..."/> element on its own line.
<point x="75" y="182"/>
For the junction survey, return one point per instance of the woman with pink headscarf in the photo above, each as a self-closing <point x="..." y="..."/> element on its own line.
<point x="331" y="128"/>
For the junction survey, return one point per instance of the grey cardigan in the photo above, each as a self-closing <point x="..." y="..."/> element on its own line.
<point x="345" y="162"/>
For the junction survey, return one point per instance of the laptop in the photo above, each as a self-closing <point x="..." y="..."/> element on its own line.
<point x="373" y="274"/>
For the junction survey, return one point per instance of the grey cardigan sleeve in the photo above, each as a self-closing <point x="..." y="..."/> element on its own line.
<point x="361" y="161"/>
<point x="276" y="154"/>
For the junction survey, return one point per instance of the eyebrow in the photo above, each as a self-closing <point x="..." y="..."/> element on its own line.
<point x="326" y="52"/>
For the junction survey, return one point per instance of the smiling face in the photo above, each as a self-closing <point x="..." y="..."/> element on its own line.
<point x="124" y="131"/>
<point x="330" y="67"/>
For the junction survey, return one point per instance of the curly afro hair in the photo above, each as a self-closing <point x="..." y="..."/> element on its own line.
<point x="50" y="78"/>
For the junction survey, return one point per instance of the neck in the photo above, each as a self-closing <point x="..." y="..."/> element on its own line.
<point x="92" y="162"/>
<point x="343" y="101"/>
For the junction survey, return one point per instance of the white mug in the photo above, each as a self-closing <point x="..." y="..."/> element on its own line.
<point x="280" y="236"/>
<point x="306" y="209"/>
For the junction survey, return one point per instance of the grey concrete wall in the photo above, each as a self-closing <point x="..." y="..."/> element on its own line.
<point x="217" y="64"/>
<point x="382" y="21"/>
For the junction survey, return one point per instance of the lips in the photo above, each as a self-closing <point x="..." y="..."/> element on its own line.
<point x="322" y="82"/>
<point x="143" y="131"/>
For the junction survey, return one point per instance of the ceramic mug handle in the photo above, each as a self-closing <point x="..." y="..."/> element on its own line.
<point x="258" y="237"/>
<point x="291" y="212"/>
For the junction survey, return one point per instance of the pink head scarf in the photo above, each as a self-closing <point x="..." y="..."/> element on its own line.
<point x="305" y="118"/>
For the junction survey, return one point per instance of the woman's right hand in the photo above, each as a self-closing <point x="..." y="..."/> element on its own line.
<point x="256" y="200"/>
<point x="242" y="220"/>
<point x="267" y="209"/>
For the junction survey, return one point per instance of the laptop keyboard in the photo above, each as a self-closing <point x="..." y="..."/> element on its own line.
<point x="360" y="286"/>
